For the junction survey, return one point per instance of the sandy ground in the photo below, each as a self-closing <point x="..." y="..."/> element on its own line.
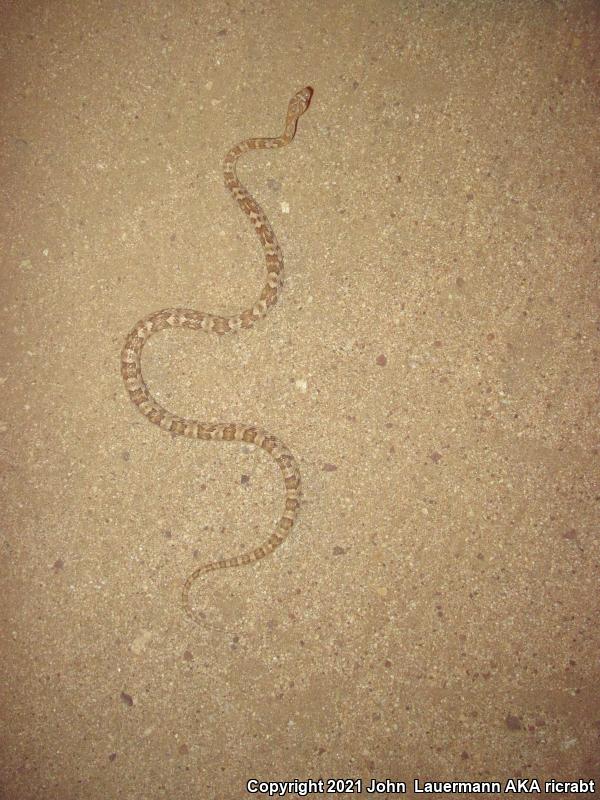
<point x="432" y="363"/>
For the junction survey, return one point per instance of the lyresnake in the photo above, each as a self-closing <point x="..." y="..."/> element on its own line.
<point x="131" y="367"/>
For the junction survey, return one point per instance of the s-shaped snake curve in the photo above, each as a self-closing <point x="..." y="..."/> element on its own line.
<point x="131" y="367"/>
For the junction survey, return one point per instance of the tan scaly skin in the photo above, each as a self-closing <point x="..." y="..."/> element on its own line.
<point x="131" y="367"/>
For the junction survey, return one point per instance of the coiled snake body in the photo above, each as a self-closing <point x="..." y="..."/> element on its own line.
<point x="131" y="368"/>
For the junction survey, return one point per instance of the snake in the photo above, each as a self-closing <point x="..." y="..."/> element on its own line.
<point x="131" y="356"/>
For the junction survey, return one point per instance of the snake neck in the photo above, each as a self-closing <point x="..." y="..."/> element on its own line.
<point x="261" y="143"/>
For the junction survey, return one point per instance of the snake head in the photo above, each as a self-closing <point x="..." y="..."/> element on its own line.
<point x="300" y="102"/>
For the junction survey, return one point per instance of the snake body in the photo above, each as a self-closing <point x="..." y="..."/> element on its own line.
<point x="131" y="367"/>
